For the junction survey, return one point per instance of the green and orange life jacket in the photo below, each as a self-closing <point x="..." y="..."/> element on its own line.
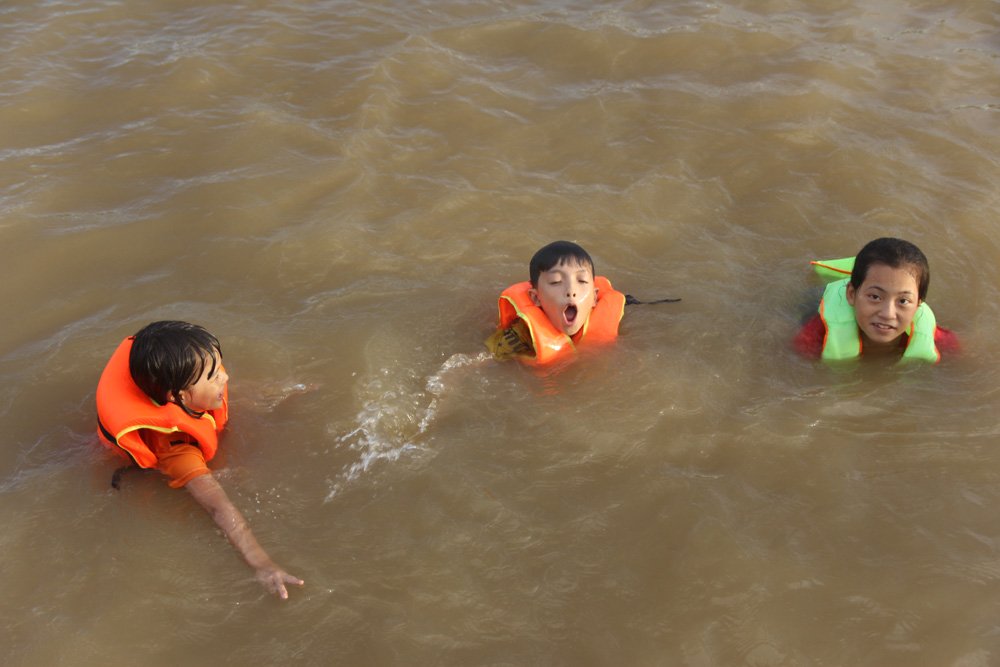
<point x="843" y="338"/>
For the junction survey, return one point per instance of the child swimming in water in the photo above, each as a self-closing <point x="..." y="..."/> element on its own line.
<point x="162" y="400"/>
<point x="563" y="305"/>
<point x="879" y="310"/>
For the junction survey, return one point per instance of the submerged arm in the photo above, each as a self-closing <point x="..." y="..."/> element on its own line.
<point x="213" y="498"/>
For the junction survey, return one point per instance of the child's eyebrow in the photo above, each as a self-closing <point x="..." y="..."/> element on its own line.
<point x="211" y="371"/>
<point x="885" y="291"/>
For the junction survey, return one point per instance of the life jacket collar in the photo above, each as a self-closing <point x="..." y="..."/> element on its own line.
<point x="549" y="343"/>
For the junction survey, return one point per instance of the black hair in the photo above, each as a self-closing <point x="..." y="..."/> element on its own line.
<point x="169" y="356"/>
<point x="554" y="254"/>
<point x="896" y="253"/>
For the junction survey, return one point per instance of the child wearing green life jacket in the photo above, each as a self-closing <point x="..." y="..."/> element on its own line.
<point x="875" y="306"/>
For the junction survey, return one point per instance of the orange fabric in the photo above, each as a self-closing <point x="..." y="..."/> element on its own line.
<point x="548" y="342"/>
<point x="177" y="456"/>
<point x="123" y="411"/>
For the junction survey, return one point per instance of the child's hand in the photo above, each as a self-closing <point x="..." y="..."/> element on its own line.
<point x="274" y="579"/>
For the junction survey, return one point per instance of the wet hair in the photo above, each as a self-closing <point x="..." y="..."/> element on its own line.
<point x="169" y="356"/>
<point x="554" y="254"/>
<point x="895" y="253"/>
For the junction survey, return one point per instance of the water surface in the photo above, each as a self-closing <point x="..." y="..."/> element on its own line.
<point x="339" y="190"/>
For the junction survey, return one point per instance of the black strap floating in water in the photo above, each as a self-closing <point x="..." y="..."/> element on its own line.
<point x="632" y="301"/>
<point x="116" y="479"/>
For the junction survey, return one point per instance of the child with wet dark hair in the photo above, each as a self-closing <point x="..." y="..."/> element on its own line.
<point x="562" y="305"/>
<point x="875" y="307"/>
<point x="161" y="402"/>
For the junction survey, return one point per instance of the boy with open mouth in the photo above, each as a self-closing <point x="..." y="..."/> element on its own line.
<point x="563" y="305"/>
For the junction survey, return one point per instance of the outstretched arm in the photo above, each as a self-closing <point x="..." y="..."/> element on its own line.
<point x="210" y="495"/>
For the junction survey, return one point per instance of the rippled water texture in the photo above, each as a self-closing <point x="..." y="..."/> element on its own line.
<point x="339" y="191"/>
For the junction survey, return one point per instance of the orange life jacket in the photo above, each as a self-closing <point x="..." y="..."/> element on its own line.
<point x="123" y="410"/>
<point x="549" y="342"/>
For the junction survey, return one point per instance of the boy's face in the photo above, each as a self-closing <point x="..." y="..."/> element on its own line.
<point x="566" y="295"/>
<point x="207" y="392"/>
<point x="885" y="303"/>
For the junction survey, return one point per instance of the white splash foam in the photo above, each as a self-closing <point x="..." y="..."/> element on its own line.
<point x="394" y="420"/>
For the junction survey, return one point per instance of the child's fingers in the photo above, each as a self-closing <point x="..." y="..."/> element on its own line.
<point x="277" y="580"/>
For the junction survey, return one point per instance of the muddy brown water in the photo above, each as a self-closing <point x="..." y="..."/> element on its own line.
<point x="339" y="191"/>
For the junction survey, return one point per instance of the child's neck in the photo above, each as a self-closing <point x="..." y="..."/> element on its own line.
<point x="895" y="347"/>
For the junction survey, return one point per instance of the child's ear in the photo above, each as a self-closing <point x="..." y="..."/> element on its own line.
<point x="851" y="293"/>
<point x="533" y="294"/>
